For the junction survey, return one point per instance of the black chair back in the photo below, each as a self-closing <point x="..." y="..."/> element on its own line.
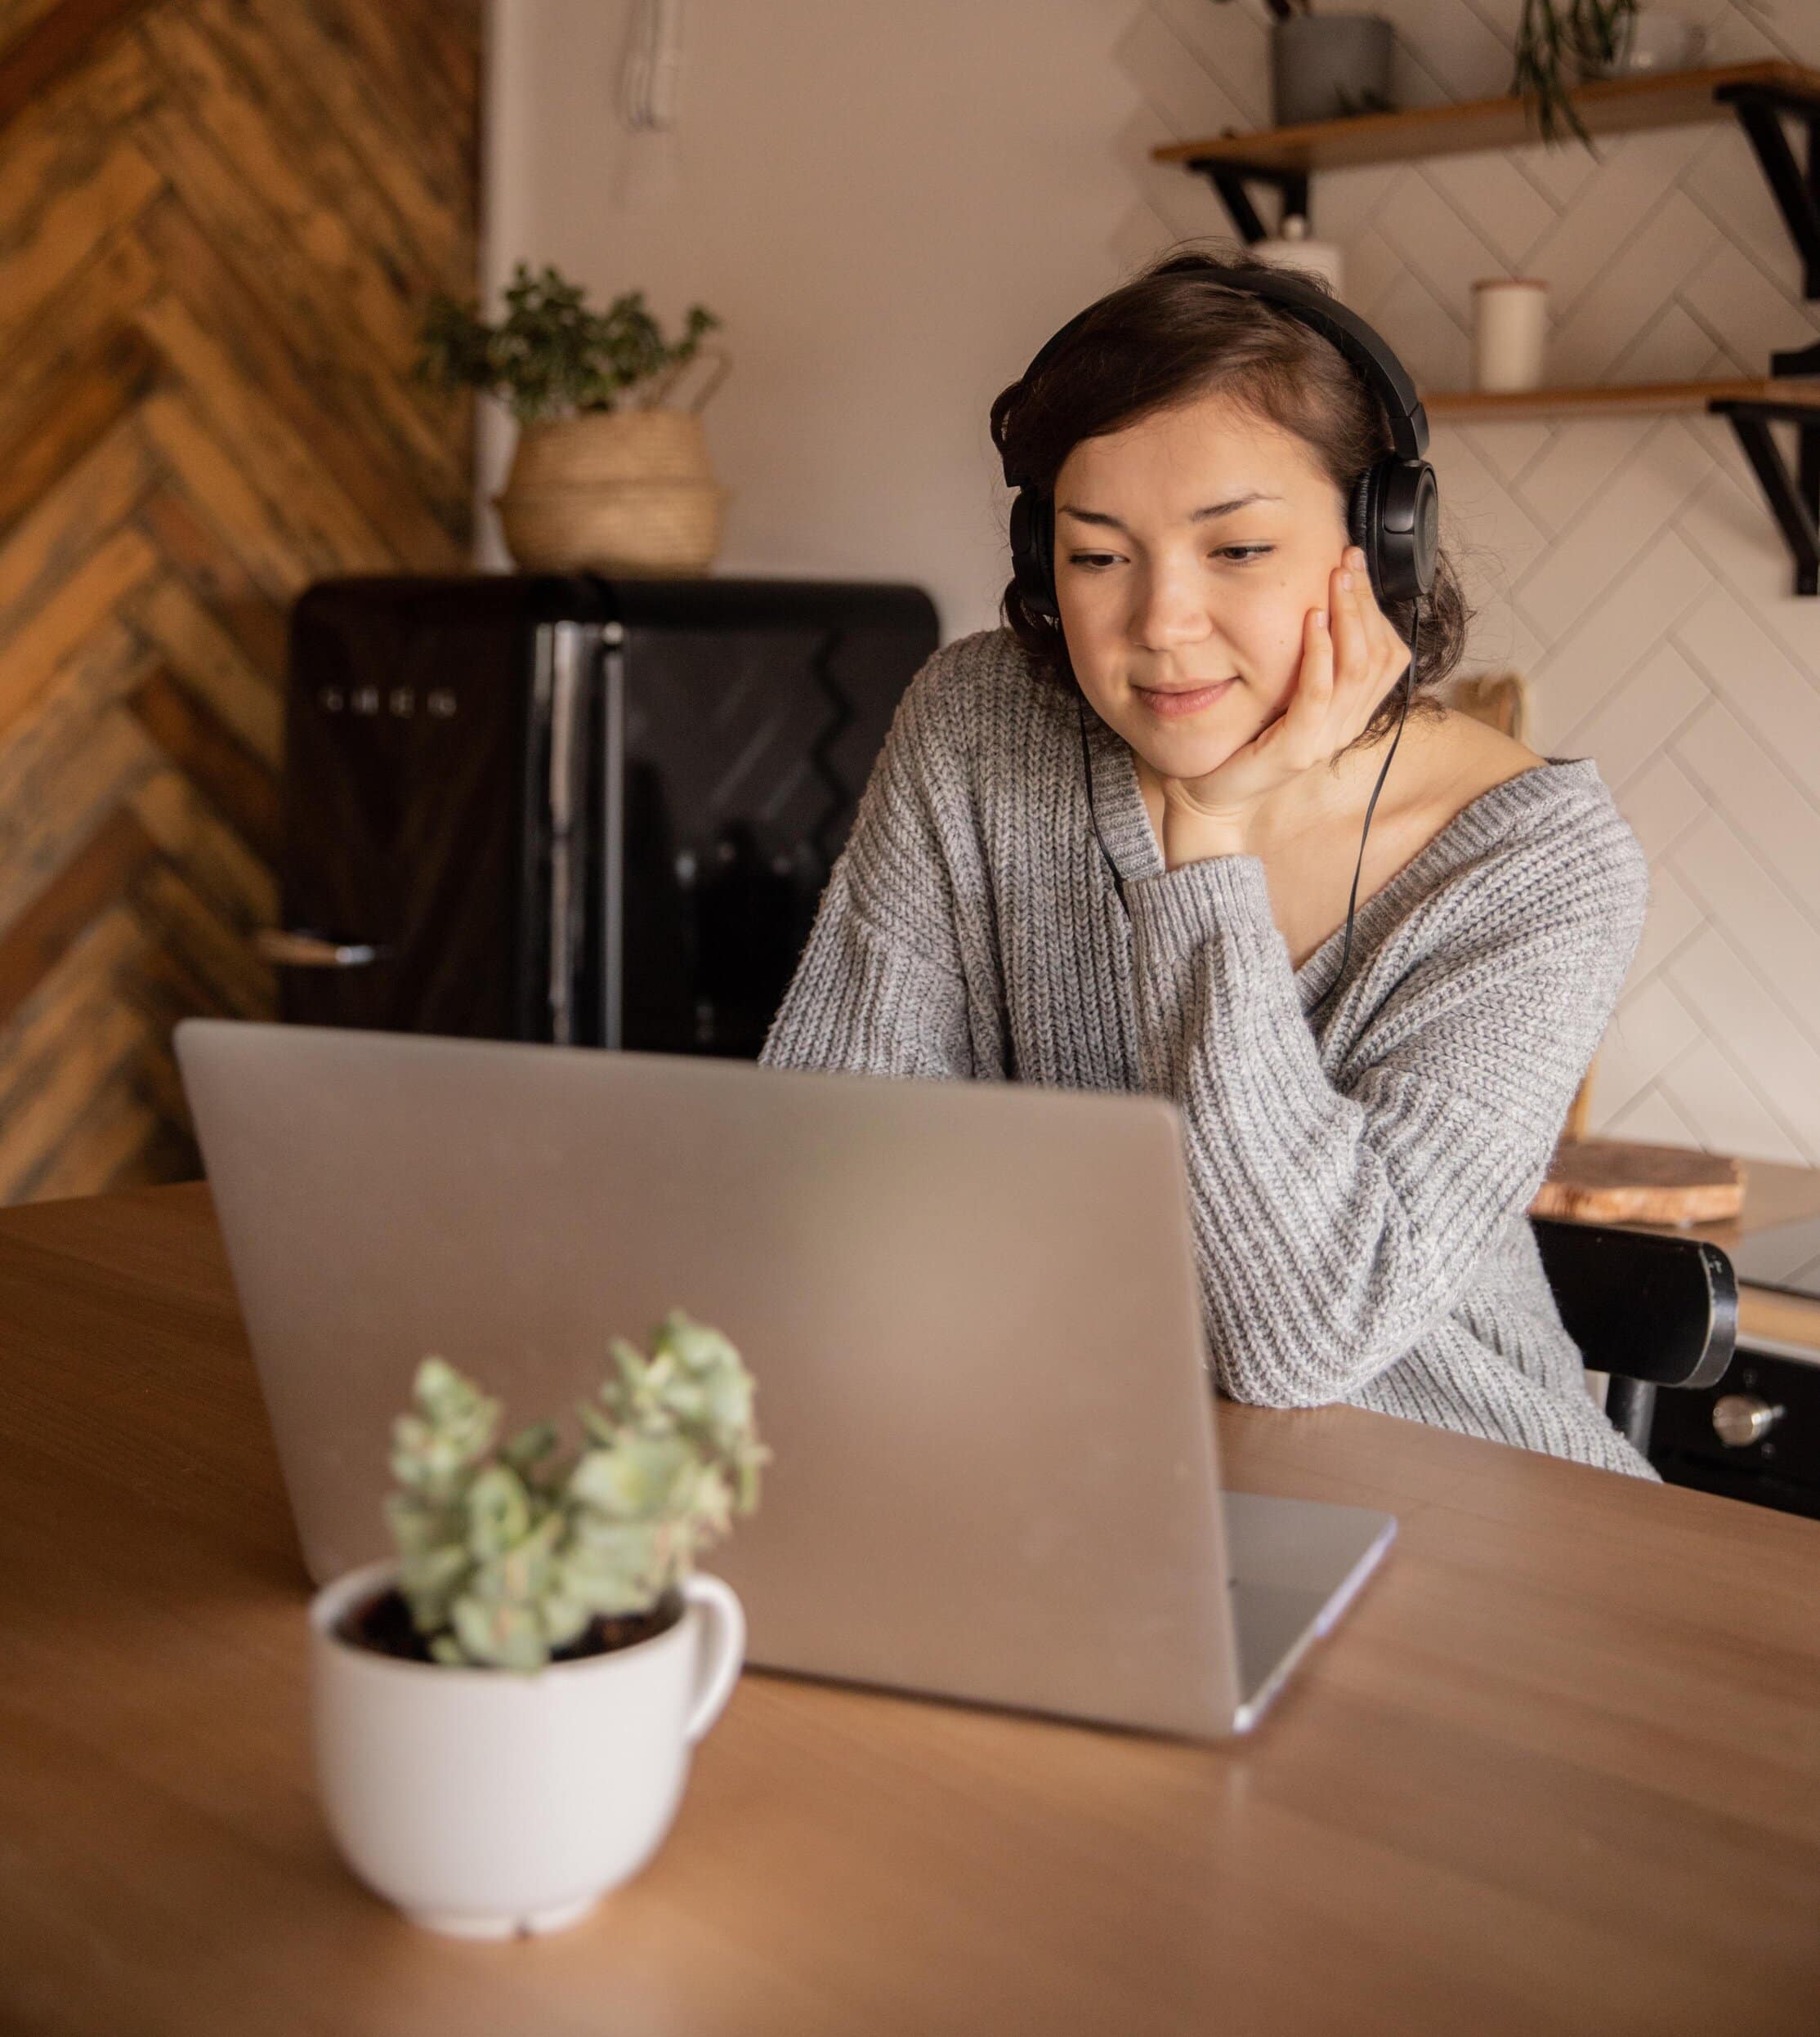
<point x="1646" y="1307"/>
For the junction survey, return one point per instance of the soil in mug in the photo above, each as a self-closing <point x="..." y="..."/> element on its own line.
<point x="383" y="1624"/>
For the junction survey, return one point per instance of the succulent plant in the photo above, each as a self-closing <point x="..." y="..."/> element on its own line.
<point x="507" y="1554"/>
<point x="551" y="356"/>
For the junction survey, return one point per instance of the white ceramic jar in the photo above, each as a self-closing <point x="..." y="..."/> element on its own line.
<point x="488" y="1802"/>
<point x="1510" y="332"/>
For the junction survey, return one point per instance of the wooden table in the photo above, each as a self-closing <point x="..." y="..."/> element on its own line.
<point x="1558" y="1771"/>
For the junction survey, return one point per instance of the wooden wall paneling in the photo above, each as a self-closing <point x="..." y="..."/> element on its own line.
<point x="215" y="577"/>
<point x="52" y="643"/>
<point x="72" y="415"/>
<point x="182" y="825"/>
<point x="297" y="494"/>
<point x="71" y="173"/>
<point x="74" y="1034"/>
<point x="234" y="781"/>
<point x="403" y="139"/>
<point x="261" y="215"/>
<point x="56" y="918"/>
<point x="220" y="222"/>
<point x="381" y="486"/>
<point x="17" y="16"/>
<point x="85" y="332"/>
<point x="46" y="605"/>
<point x="167" y="614"/>
<point x="42" y="41"/>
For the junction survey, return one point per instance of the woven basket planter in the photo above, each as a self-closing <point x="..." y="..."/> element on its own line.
<point x="614" y="491"/>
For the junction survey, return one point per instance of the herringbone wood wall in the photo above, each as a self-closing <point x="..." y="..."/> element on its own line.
<point x="220" y="221"/>
<point x="1626" y="565"/>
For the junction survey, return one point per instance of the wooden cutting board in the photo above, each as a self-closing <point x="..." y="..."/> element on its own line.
<point x="1615" y="1181"/>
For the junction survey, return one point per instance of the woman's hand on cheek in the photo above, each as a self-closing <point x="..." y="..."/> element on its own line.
<point x="1350" y="658"/>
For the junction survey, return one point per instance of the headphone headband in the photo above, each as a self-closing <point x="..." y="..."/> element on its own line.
<point x="1365" y="348"/>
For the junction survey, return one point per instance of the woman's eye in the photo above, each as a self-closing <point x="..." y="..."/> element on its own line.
<point x="1239" y="555"/>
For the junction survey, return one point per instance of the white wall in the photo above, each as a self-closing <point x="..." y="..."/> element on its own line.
<point x="892" y="206"/>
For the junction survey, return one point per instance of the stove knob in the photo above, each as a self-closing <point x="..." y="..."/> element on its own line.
<point x="1739" y="1419"/>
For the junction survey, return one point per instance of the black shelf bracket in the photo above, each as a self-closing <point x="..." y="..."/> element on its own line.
<point x="1795" y="187"/>
<point x="1794" y="499"/>
<point x="1229" y="179"/>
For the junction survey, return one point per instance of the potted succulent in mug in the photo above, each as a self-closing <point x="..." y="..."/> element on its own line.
<point x="502" y="1714"/>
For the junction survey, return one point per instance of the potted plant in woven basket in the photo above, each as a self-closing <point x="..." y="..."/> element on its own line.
<point x="611" y="473"/>
<point x="504" y="1711"/>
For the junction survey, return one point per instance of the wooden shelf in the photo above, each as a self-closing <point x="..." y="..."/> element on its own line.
<point x="1750" y="406"/>
<point x="1613" y="398"/>
<point x="1615" y="105"/>
<point x="1759" y="96"/>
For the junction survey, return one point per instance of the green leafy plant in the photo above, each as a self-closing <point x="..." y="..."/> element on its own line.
<point x="1553" y="39"/>
<point x="507" y="1555"/>
<point x="550" y="355"/>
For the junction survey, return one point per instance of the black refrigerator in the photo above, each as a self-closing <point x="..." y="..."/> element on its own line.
<point x="570" y="808"/>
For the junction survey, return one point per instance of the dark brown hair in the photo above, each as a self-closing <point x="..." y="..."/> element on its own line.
<point x="1174" y="333"/>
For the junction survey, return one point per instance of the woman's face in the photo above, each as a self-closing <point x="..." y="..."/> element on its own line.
<point x="1189" y="549"/>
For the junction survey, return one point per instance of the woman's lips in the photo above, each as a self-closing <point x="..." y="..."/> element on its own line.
<point x="1171" y="706"/>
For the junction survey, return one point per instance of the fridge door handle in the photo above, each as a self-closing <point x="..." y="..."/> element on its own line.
<point x="311" y="951"/>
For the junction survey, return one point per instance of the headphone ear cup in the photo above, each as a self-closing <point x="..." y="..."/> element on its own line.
<point x="1042" y="524"/>
<point x="1403" y="516"/>
<point x="1032" y="564"/>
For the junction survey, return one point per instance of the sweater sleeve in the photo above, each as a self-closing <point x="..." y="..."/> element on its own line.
<point x="880" y="989"/>
<point x="1333" y="1220"/>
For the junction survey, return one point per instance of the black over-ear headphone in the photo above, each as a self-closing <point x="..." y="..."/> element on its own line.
<point x="1393" y="513"/>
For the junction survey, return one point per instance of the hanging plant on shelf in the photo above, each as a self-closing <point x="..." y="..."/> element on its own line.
<point x="1554" y="39"/>
<point x="1561" y="43"/>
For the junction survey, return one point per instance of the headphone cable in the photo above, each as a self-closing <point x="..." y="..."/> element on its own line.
<point x="1402" y="715"/>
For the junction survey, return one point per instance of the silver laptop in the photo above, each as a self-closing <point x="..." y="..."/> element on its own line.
<point x="971" y="1309"/>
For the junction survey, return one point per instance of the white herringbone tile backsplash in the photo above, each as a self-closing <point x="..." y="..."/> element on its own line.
<point x="1628" y="565"/>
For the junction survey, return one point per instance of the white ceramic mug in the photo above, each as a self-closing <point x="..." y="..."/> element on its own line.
<point x="485" y="1803"/>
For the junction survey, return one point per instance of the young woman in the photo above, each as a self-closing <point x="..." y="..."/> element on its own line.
<point x="1115" y="852"/>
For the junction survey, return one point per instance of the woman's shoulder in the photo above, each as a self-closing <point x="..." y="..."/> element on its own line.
<point x="1499" y="789"/>
<point x="969" y="674"/>
<point x="973" y="698"/>
<point x="1534" y="836"/>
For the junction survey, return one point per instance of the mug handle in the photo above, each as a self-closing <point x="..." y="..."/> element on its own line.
<point x="723" y="1652"/>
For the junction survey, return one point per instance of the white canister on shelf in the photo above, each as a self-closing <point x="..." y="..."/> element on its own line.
<point x="1292" y="249"/>
<point x="1510" y="332"/>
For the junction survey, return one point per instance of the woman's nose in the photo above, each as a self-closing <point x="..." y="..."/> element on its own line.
<point x="1170" y="610"/>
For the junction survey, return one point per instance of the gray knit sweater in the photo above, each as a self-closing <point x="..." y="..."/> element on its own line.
<point x="1358" y="1179"/>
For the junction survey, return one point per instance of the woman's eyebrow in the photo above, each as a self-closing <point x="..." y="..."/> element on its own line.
<point x="1196" y="516"/>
